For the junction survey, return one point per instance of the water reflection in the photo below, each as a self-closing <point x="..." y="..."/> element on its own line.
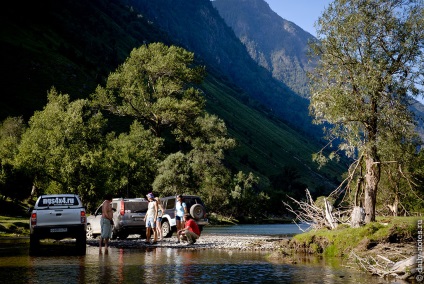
<point x="167" y="265"/>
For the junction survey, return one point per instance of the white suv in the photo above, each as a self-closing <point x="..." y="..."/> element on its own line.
<point x="195" y="207"/>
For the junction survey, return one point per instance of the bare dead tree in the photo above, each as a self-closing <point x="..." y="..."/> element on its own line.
<point x="317" y="217"/>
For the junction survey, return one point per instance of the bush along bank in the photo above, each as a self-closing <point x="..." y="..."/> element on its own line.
<point x="386" y="242"/>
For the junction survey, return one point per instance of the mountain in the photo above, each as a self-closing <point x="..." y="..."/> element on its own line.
<point x="274" y="43"/>
<point x="73" y="45"/>
<point x="197" y="26"/>
<point x="279" y="45"/>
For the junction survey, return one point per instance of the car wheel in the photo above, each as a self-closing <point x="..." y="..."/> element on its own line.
<point x="166" y="229"/>
<point x="34" y="244"/>
<point x="81" y="244"/>
<point x="114" y="235"/>
<point x="197" y="211"/>
<point x="90" y="235"/>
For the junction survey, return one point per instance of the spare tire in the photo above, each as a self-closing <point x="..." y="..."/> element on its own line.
<point x="197" y="211"/>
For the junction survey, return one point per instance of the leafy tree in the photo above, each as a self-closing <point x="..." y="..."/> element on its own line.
<point x="199" y="170"/>
<point x="174" y="175"/>
<point x="246" y="200"/>
<point x="131" y="161"/>
<point x="155" y="86"/>
<point x="371" y="60"/>
<point x="62" y="147"/>
<point x="12" y="181"/>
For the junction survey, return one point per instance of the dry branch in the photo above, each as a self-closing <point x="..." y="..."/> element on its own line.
<point x="400" y="270"/>
<point x="311" y="214"/>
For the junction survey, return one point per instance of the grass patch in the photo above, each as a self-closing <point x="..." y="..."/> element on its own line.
<point x="342" y="240"/>
<point x="14" y="226"/>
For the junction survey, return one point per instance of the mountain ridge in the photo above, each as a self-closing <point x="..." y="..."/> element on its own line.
<point x="276" y="44"/>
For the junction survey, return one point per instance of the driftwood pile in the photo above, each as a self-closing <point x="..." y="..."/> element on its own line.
<point x="386" y="268"/>
<point x="317" y="216"/>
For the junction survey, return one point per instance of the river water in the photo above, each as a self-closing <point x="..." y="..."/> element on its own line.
<point x="170" y="265"/>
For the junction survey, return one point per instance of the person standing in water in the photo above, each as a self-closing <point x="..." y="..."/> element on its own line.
<point x="106" y="223"/>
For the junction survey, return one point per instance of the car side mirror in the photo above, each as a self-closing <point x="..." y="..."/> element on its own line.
<point x="29" y="210"/>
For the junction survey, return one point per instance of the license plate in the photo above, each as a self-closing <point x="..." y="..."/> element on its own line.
<point x="138" y="219"/>
<point x="58" y="230"/>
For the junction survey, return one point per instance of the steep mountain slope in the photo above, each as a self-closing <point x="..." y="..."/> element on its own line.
<point x="274" y="43"/>
<point x="73" y="45"/>
<point x="197" y="26"/>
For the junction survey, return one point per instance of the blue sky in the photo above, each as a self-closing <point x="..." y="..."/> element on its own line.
<point x="303" y="13"/>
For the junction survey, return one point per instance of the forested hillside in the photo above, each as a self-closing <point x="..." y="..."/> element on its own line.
<point x="74" y="45"/>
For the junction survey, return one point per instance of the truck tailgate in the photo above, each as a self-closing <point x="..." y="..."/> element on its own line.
<point x="57" y="216"/>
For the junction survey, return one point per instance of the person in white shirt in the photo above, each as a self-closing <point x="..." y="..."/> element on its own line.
<point x="150" y="218"/>
<point x="180" y="210"/>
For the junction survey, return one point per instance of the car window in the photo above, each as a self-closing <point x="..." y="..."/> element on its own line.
<point x="57" y="201"/>
<point x="136" y="207"/>
<point x="98" y="210"/>
<point x="170" y="204"/>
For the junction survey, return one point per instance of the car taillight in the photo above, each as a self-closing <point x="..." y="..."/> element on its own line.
<point x="83" y="218"/>
<point x="33" y="219"/>
<point x="122" y="212"/>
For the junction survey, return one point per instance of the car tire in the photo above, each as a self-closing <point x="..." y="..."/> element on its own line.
<point x="114" y="235"/>
<point x="90" y="235"/>
<point x="81" y="243"/>
<point x="197" y="211"/>
<point x="166" y="229"/>
<point x="34" y="244"/>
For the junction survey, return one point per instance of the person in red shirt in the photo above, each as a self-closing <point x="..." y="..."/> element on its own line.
<point x="191" y="232"/>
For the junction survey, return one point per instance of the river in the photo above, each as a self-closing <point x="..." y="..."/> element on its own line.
<point x="171" y="265"/>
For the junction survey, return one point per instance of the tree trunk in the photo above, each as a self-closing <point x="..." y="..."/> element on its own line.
<point x="357" y="217"/>
<point x="394" y="208"/>
<point x="372" y="178"/>
<point x="328" y="215"/>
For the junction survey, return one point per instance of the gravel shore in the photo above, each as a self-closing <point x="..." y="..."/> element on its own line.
<point x="233" y="242"/>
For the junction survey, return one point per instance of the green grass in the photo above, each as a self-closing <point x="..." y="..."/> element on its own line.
<point x="14" y="226"/>
<point x="342" y="240"/>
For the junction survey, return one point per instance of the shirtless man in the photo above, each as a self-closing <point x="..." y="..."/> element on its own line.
<point x="106" y="223"/>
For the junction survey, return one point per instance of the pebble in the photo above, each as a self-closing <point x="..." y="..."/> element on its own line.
<point x="238" y="242"/>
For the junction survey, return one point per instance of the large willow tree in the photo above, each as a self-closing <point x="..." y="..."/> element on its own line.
<point x="370" y="64"/>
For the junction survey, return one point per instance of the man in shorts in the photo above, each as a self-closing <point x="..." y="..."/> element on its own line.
<point x="106" y="222"/>
<point x="150" y="218"/>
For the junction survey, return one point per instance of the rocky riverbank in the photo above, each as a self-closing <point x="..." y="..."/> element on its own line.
<point x="239" y="242"/>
